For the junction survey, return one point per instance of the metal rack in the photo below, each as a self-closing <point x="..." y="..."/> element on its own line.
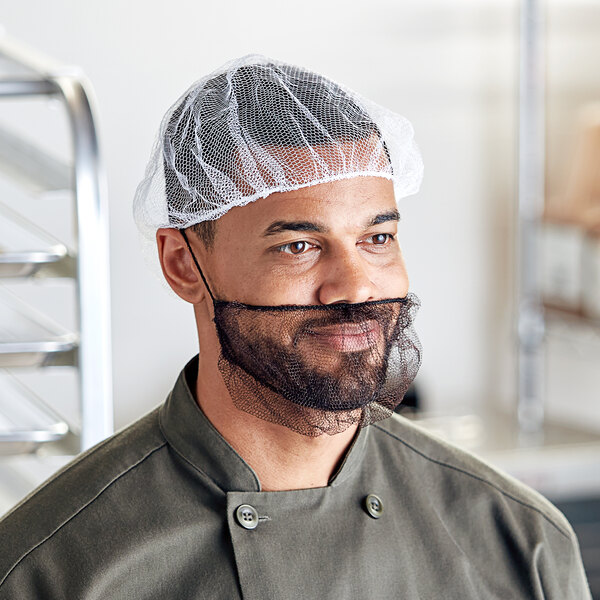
<point x="29" y="339"/>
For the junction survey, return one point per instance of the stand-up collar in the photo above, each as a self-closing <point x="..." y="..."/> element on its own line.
<point x="193" y="436"/>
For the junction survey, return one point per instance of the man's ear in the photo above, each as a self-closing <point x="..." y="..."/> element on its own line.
<point x="178" y="267"/>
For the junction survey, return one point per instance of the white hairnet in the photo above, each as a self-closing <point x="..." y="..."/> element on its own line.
<point x="257" y="126"/>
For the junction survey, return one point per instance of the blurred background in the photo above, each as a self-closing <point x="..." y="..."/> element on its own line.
<point x="453" y="70"/>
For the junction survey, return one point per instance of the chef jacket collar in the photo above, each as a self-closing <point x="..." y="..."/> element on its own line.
<point x="194" y="437"/>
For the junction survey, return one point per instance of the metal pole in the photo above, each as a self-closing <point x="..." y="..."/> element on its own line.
<point x="530" y="327"/>
<point x="92" y="266"/>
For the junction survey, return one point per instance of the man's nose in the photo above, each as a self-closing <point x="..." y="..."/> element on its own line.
<point x="346" y="278"/>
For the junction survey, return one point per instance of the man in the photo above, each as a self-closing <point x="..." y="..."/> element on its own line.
<point x="272" y="470"/>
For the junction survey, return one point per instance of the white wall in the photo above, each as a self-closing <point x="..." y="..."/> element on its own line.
<point x="449" y="67"/>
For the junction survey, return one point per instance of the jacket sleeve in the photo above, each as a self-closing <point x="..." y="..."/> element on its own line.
<point x="558" y="571"/>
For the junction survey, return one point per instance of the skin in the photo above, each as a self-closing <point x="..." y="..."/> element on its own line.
<point x="323" y="244"/>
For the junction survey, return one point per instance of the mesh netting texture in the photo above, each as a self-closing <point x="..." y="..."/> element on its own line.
<point x="319" y="369"/>
<point x="258" y="126"/>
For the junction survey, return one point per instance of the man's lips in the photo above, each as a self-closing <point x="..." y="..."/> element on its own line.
<point x="347" y="337"/>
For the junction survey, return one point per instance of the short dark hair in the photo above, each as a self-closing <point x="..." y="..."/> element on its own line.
<point x="205" y="231"/>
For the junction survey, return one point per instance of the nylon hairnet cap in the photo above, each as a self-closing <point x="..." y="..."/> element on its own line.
<point x="257" y="126"/>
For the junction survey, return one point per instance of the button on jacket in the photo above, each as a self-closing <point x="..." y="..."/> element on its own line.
<point x="166" y="509"/>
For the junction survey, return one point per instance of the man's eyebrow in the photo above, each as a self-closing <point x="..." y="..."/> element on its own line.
<point x="391" y="215"/>
<point x="279" y="226"/>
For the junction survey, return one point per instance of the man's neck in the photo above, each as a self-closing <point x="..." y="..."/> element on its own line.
<point x="281" y="458"/>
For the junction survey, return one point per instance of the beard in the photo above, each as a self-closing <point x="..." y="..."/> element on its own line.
<point x="318" y="369"/>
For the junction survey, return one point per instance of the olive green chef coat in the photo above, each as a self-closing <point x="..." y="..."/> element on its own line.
<point x="153" y="513"/>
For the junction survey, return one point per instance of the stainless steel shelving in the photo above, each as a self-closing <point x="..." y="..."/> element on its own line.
<point x="25" y="249"/>
<point x="29" y="339"/>
<point x="25" y="420"/>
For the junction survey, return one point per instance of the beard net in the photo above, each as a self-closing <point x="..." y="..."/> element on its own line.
<point x="318" y="369"/>
<point x="258" y="126"/>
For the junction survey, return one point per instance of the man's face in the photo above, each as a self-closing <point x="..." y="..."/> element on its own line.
<point x="329" y="243"/>
<point x="296" y="277"/>
<point x="323" y="245"/>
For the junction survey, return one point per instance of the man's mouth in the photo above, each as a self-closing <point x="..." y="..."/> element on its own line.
<point x="347" y="337"/>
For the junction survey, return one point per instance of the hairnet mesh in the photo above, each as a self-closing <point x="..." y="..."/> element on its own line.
<point x="258" y="126"/>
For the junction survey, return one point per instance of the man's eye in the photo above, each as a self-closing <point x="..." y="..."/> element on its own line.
<point x="381" y="238"/>
<point x="295" y="247"/>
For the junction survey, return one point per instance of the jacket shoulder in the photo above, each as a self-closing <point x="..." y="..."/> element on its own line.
<point x="74" y="487"/>
<point x="441" y="459"/>
<point x="498" y="522"/>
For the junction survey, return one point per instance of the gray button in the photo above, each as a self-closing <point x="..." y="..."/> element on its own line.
<point x="374" y="506"/>
<point x="247" y="516"/>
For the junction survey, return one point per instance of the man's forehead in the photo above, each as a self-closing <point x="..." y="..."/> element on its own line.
<point x="356" y="203"/>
